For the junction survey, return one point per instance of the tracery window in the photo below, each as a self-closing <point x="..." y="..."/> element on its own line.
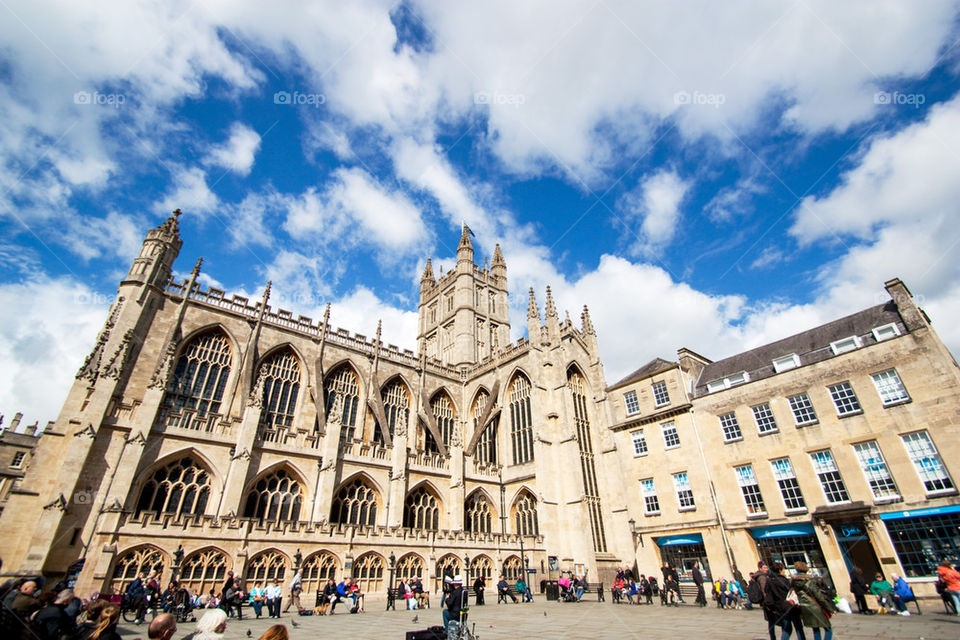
<point x="276" y="497"/>
<point x="280" y="377"/>
<point x="142" y="560"/>
<point x="199" y="378"/>
<point x="355" y="503"/>
<point x="421" y="510"/>
<point x="521" y="420"/>
<point x="181" y="487"/>
<point x="512" y="568"/>
<point x="481" y="566"/>
<point x="396" y="404"/>
<point x="204" y="570"/>
<point x="409" y="566"/>
<point x="486" y="449"/>
<point x="368" y="572"/>
<point x="525" y="513"/>
<point x="267" y="567"/>
<point x="477" y="514"/>
<point x="442" y="408"/>
<point x="588" y="468"/>
<point x="316" y="570"/>
<point x="449" y="564"/>
<point x="343" y="383"/>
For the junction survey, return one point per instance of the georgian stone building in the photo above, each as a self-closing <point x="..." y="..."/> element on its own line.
<point x="258" y="441"/>
<point x="16" y="453"/>
<point x="825" y="446"/>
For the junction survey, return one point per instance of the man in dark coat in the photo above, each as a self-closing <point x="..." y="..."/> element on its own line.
<point x="775" y="603"/>
<point x="52" y="621"/>
<point x="698" y="580"/>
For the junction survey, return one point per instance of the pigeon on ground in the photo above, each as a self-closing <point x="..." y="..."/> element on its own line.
<point x="295" y="623"/>
<point x="416" y="617"/>
<point x="544" y="614"/>
<point x="249" y="633"/>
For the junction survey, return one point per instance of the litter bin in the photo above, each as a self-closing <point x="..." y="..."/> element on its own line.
<point x="550" y="588"/>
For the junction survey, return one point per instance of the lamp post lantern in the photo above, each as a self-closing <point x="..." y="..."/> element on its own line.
<point x="466" y="570"/>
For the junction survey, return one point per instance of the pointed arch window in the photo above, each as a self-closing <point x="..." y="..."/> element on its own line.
<point x="181" y="487"/>
<point x="267" y="567"/>
<point x="521" y="420"/>
<point x="344" y="384"/>
<point x="396" y="405"/>
<point x="409" y="566"/>
<point x="477" y="517"/>
<point x="204" y="570"/>
<point x="316" y="570"/>
<point x="525" y="515"/>
<point x="447" y="565"/>
<point x="512" y="568"/>
<point x="481" y="566"/>
<point x="142" y="560"/>
<point x="421" y="510"/>
<point x="276" y="497"/>
<point x="280" y="379"/>
<point x="199" y="378"/>
<point x="581" y="419"/>
<point x="486" y="449"/>
<point x="356" y="504"/>
<point x="368" y="572"/>
<point x="443" y="412"/>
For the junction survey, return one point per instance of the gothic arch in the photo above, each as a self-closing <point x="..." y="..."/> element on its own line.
<point x="370" y="480"/>
<point x="410" y="565"/>
<point x="446" y="419"/>
<point x="442" y="389"/>
<point x="271" y="351"/>
<point x="356" y="501"/>
<point x="574" y="367"/>
<point x="277" y="385"/>
<point x="518" y="406"/>
<point x="512" y="567"/>
<point x="135" y="560"/>
<point x="518" y="370"/>
<point x="525" y="513"/>
<point x="368" y="571"/>
<point x="450" y="561"/>
<point x="339" y="364"/>
<point x="266" y="566"/>
<point x="423" y="507"/>
<point x="212" y="326"/>
<point x="479" y="513"/>
<point x="290" y="467"/>
<point x="277" y="494"/>
<point x="346" y="376"/>
<point x="143" y="473"/>
<point x="482" y="564"/>
<point x="199" y="375"/>
<point x="317" y="568"/>
<point x="205" y="569"/>
<point x="402" y="379"/>
<point x="397" y="405"/>
<point x="180" y="483"/>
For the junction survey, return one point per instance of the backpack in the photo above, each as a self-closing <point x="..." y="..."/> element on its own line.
<point x="754" y="592"/>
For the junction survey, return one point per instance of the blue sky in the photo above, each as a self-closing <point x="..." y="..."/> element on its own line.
<point x="704" y="175"/>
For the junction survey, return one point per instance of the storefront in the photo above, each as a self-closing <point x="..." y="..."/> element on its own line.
<point x="682" y="551"/>
<point x="790" y="543"/>
<point x="923" y="538"/>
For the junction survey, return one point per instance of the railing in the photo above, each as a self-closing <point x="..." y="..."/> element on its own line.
<point x="286" y="438"/>
<point x="483" y="468"/>
<point x="429" y="460"/>
<point x="360" y="449"/>
<point x="193" y="421"/>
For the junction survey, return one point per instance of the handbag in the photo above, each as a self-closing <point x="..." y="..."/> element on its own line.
<point x="792" y="599"/>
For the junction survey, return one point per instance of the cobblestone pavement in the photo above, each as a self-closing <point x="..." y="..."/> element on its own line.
<point x="579" y="621"/>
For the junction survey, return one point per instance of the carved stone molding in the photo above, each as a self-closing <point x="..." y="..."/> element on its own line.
<point x="161" y="374"/>
<point x="87" y="431"/>
<point x="60" y="504"/>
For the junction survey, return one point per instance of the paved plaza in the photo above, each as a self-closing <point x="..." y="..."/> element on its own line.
<point x="584" y="620"/>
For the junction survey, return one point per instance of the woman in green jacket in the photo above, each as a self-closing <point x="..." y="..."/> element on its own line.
<point x="815" y="608"/>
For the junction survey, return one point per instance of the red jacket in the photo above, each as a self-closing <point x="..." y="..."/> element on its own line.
<point x="950" y="576"/>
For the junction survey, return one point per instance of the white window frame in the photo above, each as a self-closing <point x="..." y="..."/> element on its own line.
<point x="845" y="345"/>
<point x="786" y="363"/>
<point x="763" y="415"/>
<point x="658" y="387"/>
<point x="786" y="478"/>
<point x="627" y="402"/>
<point x="927" y="462"/>
<point x="734" y="380"/>
<point x="802" y="406"/>
<point x="844" y="386"/>
<point x="18" y="459"/>
<point x="670" y="426"/>
<point x="648" y="489"/>
<point x="875" y="470"/>
<point x="637" y="437"/>
<point x="683" y="491"/>
<point x="730" y="427"/>
<point x="824" y="464"/>
<point x="890" y="388"/>
<point x="749" y="487"/>
<point x="886" y="332"/>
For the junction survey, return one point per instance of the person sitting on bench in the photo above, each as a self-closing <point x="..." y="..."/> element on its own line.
<point x="503" y="590"/>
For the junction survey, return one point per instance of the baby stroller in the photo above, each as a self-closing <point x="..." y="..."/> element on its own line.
<point x="567" y="594"/>
<point x="182" y="606"/>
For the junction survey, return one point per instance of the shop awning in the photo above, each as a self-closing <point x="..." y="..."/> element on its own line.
<point x="686" y="538"/>
<point x="782" y="531"/>
<point x="917" y="513"/>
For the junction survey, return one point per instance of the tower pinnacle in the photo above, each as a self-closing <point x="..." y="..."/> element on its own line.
<point x="533" y="311"/>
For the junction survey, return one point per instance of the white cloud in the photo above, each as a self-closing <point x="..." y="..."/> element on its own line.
<point x="360" y="310"/>
<point x="655" y="204"/>
<point x="189" y="192"/>
<point x="236" y="153"/>
<point x="43" y="343"/>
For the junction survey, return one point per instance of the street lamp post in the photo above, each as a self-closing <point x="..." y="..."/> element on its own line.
<point x="637" y="535"/>
<point x="393" y="563"/>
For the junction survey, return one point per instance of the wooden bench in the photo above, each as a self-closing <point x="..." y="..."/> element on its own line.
<point x="593" y="587"/>
<point x="906" y="603"/>
<point x="423" y="599"/>
<point x="503" y="595"/>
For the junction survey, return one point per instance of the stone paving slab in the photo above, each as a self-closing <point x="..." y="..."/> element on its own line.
<point x="578" y="621"/>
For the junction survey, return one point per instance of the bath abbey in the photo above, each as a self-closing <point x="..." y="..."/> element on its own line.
<point x="207" y="433"/>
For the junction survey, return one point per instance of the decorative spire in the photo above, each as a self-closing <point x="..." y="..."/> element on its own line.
<point x="171" y="226"/>
<point x="550" y="309"/>
<point x="498" y="260"/>
<point x="196" y="268"/>
<point x="533" y="311"/>
<point x="465" y="238"/>
<point x="566" y="319"/>
<point x="428" y="273"/>
<point x="586" y="323"/>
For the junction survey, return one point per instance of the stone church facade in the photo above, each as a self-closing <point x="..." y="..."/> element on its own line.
<point x="206" y="433"/>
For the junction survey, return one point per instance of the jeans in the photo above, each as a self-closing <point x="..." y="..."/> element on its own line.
<point x="792" y="622"/>
<point x="828" y="635"/>
<point x="257" y="607"/>
<point x="955" y="596"/>
<point x="579" y="592"/>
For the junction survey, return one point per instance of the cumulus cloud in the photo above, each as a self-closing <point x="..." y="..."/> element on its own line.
<point x="655" y="205"/>
<point x="189" y="191"/>
<point x="237" y="153"/>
